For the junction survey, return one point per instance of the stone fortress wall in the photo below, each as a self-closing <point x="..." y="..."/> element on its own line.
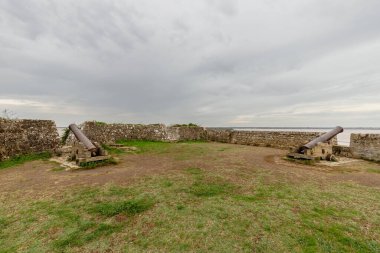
<point x="282" y="140"/>
<point x="108" y="133"/>
<point x="365" y="146"/>
<point x="28" y="136"/>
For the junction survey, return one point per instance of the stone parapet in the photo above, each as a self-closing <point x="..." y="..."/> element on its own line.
<point x="365" y="146"/>
<point x="25" y="136"/>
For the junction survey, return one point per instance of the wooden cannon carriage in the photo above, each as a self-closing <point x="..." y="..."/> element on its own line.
<point x="84" y="150"/>
<point x="319" y="148"/>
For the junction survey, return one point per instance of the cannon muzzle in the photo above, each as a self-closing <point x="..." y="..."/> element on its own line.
<point x="82" y="138"/>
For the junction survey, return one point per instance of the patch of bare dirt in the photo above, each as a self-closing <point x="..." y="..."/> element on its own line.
<point x="38" y="178"/>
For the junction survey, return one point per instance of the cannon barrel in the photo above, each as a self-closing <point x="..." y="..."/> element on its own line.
<point x="323" y="138"/>
<point x="82" y="138"/>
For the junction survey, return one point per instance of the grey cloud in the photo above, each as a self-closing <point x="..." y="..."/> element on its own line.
<point x="226" y="7"/>
<point x="211" y="62"/>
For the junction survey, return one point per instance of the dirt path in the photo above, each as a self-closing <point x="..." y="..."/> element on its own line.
<point x="38" y="178"/>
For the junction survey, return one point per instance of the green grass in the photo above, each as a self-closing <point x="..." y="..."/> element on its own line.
<point x="65" y="135"/>
<point x="204" y="186"/>
<point x="80" y="218"/>
<point x="91" y="165"/>
<point x="3" y="223"/>
<point x="147" y="146"/>
<point x="184" y="150"/>
<point x="373" y="170"/>
<point x="130" y="207"/>
<point x="202" y="189"/>
<point x="100" y="123"/>
<point x="302" y="161"/>
<point x="112" y="150"/>
<point x="197" y="215"/>
<point x="197" y="209"/>
<point x="84" y="233"/>
<point x="18" y="160"/>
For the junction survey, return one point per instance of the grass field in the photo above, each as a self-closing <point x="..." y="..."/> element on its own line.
<point x="213" y="201"/>
<point x="21" y="159"/>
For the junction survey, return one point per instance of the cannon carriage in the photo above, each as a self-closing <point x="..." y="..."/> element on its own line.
<point x="318" y="148"/>
<point x="84" y="150"/>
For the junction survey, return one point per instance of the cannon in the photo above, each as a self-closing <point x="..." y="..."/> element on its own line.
<point x="84" y="150"/>
<point x="82" y="138"/>
<point x="318" y="148"/>
<point x="323" y="138"/>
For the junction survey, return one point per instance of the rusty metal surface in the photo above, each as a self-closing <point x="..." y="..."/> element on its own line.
<point x="82" y="138"/>
<point x="323" y="138"/>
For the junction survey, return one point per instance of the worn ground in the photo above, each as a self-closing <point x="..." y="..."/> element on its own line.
<point x="197" y="197"/>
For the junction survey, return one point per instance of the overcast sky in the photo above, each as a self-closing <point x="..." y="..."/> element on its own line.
<point x="211" y="62"/>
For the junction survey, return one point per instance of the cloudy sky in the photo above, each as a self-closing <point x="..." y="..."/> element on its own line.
<point x="211" y="62"/>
